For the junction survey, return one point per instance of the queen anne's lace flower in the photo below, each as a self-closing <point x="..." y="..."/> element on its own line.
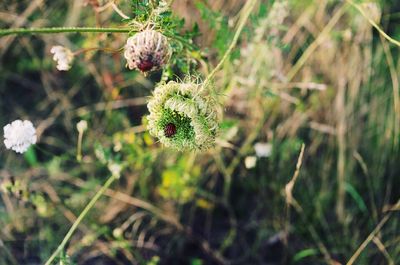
<point x="183" y="116"/>
<point x="19" y="135"/>
<point x="82" y="126"/>
<point x="115" y="169"/>
<point x="263" y="149"/>
<point x="147" y="51"/>
<point x="250" y="162"/>
<point x="63" y="56"/>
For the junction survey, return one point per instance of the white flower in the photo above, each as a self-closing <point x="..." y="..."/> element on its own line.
<point x="250" y="162"/>
<point x="63" y="57"/>
<point x="263" y="149"/>
<point x="82" y="126"/>
<point x="19" y="135"/>
<point x="115" y="169"/>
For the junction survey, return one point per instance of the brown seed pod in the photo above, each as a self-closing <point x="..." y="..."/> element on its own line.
<point x="147" y="51"/>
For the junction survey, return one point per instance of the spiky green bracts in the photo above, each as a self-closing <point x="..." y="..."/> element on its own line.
<point x="183" y="116"/>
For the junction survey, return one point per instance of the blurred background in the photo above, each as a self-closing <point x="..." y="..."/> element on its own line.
<point x="310" y="72"/>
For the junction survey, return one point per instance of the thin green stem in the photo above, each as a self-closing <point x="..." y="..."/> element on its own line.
<point x="80" y="218"/>
<point x="55" y="30"/>
<point x="185" y="42"/>
<point x="52" y="30"/>
<point x="242" y="22"/>
<point x="79" y="148"/>
<point x="109" y="50"/>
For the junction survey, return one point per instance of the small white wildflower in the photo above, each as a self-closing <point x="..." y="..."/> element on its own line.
<point x="115" y="169"/>
<point x="82" y="126"/>
<point x="19" y="135"/>
<point x="263" y="149"/>
<point x="63" y="56"/>
<point x="278" y="13"/>
<point x="250" y="162"/>
<point x="118" y="232"/>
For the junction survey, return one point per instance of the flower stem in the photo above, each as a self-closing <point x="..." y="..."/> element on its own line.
<point x="52" y="30"/>
<point x="55" y="30"/>
<point x="109" y="50"/>
<point x="80" y="218"/>
<point x="79" y="148"/>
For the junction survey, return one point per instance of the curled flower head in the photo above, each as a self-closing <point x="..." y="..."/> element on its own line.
<point x="147" y="51"/>
<point x="19" y="135"/>
<point x="183" y="116"/>
<point x="63" y="56"/>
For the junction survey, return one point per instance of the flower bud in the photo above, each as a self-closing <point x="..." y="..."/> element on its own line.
<point x="147" y="51"/>
<point x="183" y="116"/>
<point x="63" y="56"/>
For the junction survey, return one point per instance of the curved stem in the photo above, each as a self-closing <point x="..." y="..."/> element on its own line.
<point x="80" y="218"/>
<point x="373" y="23"/>
<point x="246" y="13"/>
<point x="53" y="30"/>
<point x="115" y="7"/>
<point x="186" y="43"/>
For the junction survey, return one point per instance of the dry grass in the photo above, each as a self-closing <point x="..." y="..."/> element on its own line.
<point x="319" y="75"/>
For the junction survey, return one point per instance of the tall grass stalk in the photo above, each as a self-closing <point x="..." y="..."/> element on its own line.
<point x="52" y="30"/>
<point x="80" y="218"/>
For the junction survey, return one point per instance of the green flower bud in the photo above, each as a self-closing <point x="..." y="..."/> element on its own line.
<point x="183" y="116"/>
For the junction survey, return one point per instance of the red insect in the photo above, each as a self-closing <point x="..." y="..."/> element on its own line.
<point x="145" y="66"/>
<point x="170" y="130"/>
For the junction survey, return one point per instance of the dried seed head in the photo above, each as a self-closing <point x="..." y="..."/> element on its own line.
<point x="147" y="51"/>
<point x="183" y="116"/>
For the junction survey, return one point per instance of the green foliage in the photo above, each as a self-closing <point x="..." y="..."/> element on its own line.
<point x="157" y="15"/>
<point x="178" y="182"/>
<point x="154" y="261"/>
<point x="185" y="131"/>
<point x="64" y="259"/>
<point x="219" y="24"/>
<point x="31" y="157"/>
<point x="304" y="254"/>
<point x="172" y="207"/>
